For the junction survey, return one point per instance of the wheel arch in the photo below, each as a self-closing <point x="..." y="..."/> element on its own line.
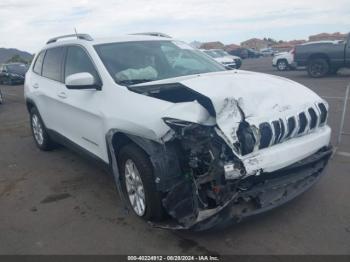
<point x="319" y="55"/>
<point x="164" y="160"/>
<point x="30" y="104"/>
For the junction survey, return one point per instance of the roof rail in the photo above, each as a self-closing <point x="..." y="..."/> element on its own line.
<point x="78" y="36"/>
<point x="153" y="34"/>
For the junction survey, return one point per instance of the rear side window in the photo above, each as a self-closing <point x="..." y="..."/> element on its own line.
<point x="78" y="61"/>
<point x="53" y="63"/>
<point x="39" y="63"/>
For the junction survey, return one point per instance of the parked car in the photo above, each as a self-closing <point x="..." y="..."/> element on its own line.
<point x="240" y="52"/>
<point x="253" y="53"/>
<point x="267" y="51"/>
<point x="284" y="61"/>
<point x="323" y="57"/>
<point x="238" y="60"/>
<point x="196" y="145"/>
<point x="13" y="73"/>
<point x="226" y="61"/>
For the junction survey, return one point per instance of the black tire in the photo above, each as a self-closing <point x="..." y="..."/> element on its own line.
<point x="1" y="98"/>
<point x="282" y="65"/>
<point x="46" y="144"/>
<point x="153" y="204"/>
<point x="318" y="67"/>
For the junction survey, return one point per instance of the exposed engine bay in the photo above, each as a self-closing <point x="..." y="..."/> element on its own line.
<point x="214" y="178"/>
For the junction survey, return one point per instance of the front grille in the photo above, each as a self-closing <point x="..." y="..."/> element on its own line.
<point x="265" y="135"/>
<point x="302" y="122"/>
<point x="291" y="126"/>
<point x="280" y="130"/>
<point x="324" y="113"/>
<point x="313" y="118"/>
<point x="277" y="127"/>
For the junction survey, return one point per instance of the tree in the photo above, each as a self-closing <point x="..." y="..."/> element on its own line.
<point x="16" y="59"/>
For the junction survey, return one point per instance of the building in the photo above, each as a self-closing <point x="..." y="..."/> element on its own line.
<point x="287" y="46"/>
<point x="255" y="43"/>
<point x="212" y="45"/>
<point x="231" y="47"/>
<point x="326" y="36"/>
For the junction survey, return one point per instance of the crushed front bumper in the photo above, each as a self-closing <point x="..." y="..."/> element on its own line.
<point x="261" y="193"/>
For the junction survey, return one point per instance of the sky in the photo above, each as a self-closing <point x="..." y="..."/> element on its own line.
<point x="27" y="25"/>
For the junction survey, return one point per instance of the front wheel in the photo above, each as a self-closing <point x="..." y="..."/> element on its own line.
<point x="318" y="67"/>
<point x="138" y="183"/>
<point x="282" y="65"/>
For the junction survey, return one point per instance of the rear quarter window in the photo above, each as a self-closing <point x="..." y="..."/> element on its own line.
<point x="39" y="63"/>
<point x="53" y="63"/>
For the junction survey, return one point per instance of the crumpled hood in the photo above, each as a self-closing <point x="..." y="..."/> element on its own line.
<point x="256" y="97"/>
<point x="259" y="95"/>
<point x="241" y="95"/>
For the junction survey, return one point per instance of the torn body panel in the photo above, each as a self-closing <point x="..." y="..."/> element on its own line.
<point x="258" y="194"/>
<point x="230" y="148"/>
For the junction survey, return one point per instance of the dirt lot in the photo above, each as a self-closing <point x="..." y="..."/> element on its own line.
<point x="60" y="203"/>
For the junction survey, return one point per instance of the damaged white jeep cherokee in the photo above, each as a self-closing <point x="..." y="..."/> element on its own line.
<point x="190" y="144"/>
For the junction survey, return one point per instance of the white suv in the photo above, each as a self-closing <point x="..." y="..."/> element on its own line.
<point x="189" y="143"/>
<point x="284" y="61"/>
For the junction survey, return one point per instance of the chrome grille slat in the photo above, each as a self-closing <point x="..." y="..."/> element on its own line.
<point x="279" y="130"/>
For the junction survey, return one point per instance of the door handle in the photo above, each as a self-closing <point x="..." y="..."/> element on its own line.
<point x="62" y="95"/>
<point x="36" y="85"/>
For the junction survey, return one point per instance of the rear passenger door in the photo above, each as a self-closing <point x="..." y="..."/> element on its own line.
<point x="45" y="82"/>
<point x="80" y="118"/>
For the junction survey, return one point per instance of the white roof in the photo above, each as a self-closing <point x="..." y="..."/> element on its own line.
<point x="323" y="42"/>
<point x="97" y="41"/>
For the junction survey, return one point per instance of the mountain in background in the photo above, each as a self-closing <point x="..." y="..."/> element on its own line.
<point x="6" y="54"/>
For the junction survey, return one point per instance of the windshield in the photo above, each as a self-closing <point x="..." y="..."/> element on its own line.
<point x="17" y="68"/>
<point x="143" y="61"/>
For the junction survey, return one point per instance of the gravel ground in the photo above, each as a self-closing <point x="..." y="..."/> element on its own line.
<point x="60" y="203"/>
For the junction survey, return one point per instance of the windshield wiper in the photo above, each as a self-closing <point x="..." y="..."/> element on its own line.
<point x="134" y="81"/>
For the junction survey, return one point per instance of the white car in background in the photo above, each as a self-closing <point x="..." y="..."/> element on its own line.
<point x="223" y="58"/>
<point x="284" y="61"/>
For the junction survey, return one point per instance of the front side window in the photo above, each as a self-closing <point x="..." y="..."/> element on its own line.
<point x="39" y="63"/>
<point x="78" y="61"/>
<point x="143" y="61"/>
<point x="52" y="63"/>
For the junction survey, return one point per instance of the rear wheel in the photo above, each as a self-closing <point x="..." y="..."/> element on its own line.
<point x="41" y="137"/>
<point x="138" y="183"/>
<point x="318" y="67"/>
<point x="282" y="65"/>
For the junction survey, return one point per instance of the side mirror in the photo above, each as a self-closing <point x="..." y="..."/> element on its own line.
<point x="82" y="81"/>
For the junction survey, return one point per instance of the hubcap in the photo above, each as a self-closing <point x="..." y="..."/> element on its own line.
<point x="37" y="129"/>
<point x="282" y="66"/>
<point x="134" y="187"/>
<point x="317" y="69"/>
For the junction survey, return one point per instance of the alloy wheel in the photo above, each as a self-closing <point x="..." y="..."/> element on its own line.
<point x="37" y="129"/>
<point x="135" y="188"/>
